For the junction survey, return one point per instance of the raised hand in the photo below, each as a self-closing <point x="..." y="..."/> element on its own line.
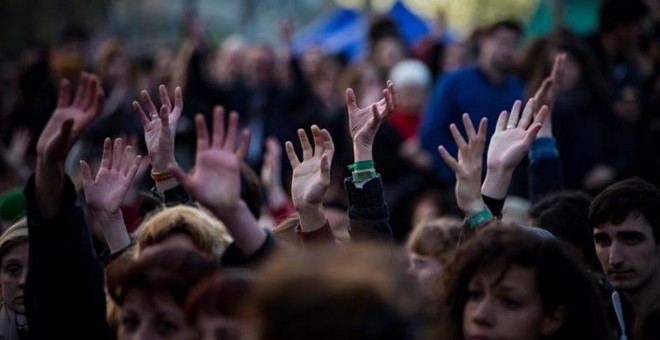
<point x="364" y="122"/>
<point x="69" y="119"/>
<point x="271" y="170"/>
<point x="547" y="93"/>
<point x="160" y="126"/>
<point x="215" y="180"/>
<point x="468" y="166"/>
<point x="311" y="178"/>
<point x="509" y="146"/>
<point x="114" y="178"/>
<point x="513" y="137"/>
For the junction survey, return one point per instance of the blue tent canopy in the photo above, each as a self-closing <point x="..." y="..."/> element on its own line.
<point x="345" y="31"/>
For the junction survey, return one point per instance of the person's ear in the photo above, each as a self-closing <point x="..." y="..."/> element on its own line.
<point x="552" y="321"/>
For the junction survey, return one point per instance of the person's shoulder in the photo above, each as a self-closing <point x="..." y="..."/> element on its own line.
<point x="459" y="76"/>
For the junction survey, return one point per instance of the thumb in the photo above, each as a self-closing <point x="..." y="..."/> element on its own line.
<point x="86" y="174"/>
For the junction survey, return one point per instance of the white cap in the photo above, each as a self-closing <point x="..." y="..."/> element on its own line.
<point x="410" y="72"/>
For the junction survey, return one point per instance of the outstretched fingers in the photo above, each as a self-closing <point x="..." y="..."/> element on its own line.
<point x="351" y="101"/>
<point x="232" y="131"/>
<point x="164" y="97"/>
<point x="305" y="145"/>
<point x="448" y="159"/>
<point x="291" y="154"/>
<point x="86" y="173"/>
<point x="202" y="133"/>
<point x="460" y="142"/>
<point x="514" y="115"/>
<point x="528" y="113"/>
<point x="502" y="120"/>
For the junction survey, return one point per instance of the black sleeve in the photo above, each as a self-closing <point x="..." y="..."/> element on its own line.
<point x="234" y="257"/>
<point x="367" y="211"/>
<point x="545" y="170"/>
<point x="494" y="204"/>
<point x="175" y="196"/>
<point x="64" y="291"/>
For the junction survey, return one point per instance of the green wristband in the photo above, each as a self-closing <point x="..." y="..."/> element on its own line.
<point x="362" y="165"/>
<point x="477" y="220"/>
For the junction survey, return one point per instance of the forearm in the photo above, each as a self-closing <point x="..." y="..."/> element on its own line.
<point x="113" y="227"/>
<point x="242" y="226"/>
<point x="49" y="186"/>
<point x="496" y="183"/>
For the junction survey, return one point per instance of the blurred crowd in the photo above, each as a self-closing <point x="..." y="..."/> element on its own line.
<point x="592" y="122"/>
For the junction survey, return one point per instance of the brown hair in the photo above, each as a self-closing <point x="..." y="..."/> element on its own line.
<point x="172" y="272"/>
<point x="286" y="231"/>
<point x="436" y="238"/>
<point x="207" y="233"/>
<point x="561" y="281"/>
<point x="221" y="294"/>
<point x="359" y="292"/>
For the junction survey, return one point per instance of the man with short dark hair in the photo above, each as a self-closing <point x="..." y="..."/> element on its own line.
<point x="483" y="90"/>
<point x="625" y="219"/>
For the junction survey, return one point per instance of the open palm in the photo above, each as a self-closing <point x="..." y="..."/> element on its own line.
<point x="70" y="118"/>
<point x="114" y="178"/>
<point x="311" y="178"/>
<point x="160" y="126"/>
<point x="364" y="122"/>
<point x="513" y="138"/>
<point x="215" y="180"/>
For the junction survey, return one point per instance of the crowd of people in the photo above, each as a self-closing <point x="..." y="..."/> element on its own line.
<point x="464" y="190"/>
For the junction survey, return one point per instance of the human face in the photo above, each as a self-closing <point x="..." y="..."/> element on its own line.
<point x="12" y="277"/>
<point x="152" y="316"/>
<point x="425" y="268"/>
<point x="628" y="252"/>
<point x="499" y="48"/>
<point x="215" y="327"/>
<point x="505" y="309"/>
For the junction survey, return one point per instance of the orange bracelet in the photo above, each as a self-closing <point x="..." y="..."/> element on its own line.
<point x="161" y="176"/>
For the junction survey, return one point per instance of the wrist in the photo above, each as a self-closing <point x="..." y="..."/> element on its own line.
<point x="311" y="218"/>
<point x="496" y="183"/>
<point x="362" y="153"/>
<point x="160" y="166"/>
<point x="473" y="207"/>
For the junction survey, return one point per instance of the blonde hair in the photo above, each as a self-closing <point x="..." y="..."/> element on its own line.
<point x="15" y="235"/>
<point x="436" y="238"/>
<point x="208" y="234"/>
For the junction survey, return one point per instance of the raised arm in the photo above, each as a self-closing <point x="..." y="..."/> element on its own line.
<point x="63" y="268"/>
<point x="509" y="145"/>
<point x="215" y="180"/>
<point x="311" y="179"/>
<point x="105" y="193"/>
<point x="279" y="205"/>
<point x="545" y="170"/>
<point x="159" y="134"/>
<point x="368" y="213"/>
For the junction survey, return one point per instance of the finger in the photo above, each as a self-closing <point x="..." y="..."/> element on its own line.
<point x="243" y="144"/>
<point x="460" y="142"/>
<point x="178" y="103"/>
<point x="149" y="105"/>
<point x="448" y="159"/>
<point x="117" y="154"/>
<point x="328" y="144"/>
<point x="106" y="158"/>
<point x="389" y="100"/>
<point x="541" y="115"/>
<point x="202" y="133"/>
<point x="502" y="120"/>
<point x="304" y="143"/>
<point x="134" y="168"/>
<point x="89" y="102"/>
<point x="374" y="122"/>
<point x="127" y="159"/>
<point x="164" y="97"/>
<point x="351" y="102"/>
<point x="527" y="115"/>
<point x="325" y="168"/>
<point x="164" y="117"/>
<point x="532" y="132"/>
<point x="556" y="66"/>
<point x="77" y="100"/>
<point x="395" y="96"/>
<point x="141" y="115"/>
<point x="232" y="130"/>
<point x="469" y="127"/>
<point x="86" y="174"/>
<point x="483" y="128"/>
<point x="515" y="114"/>
<point x="64" y="97"/>
<point x="291" y="154"/>
<point x="218" y="127"/>
<point x="318" y="141"/>
<point x="542" y="92"/>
